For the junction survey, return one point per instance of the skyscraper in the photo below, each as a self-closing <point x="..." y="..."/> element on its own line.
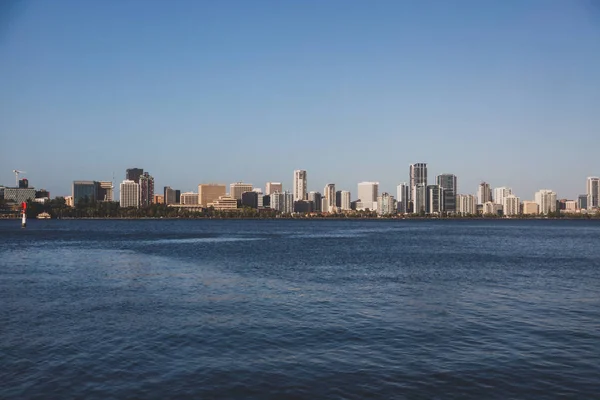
<point x="345" y="200"/>
<point x="386" y="204"/>
<point x="299" y="184"/>
<point x="283" y="202"/>
<point x="146" y="182"/>
<point x="511" y="205"/>
<point x="402" y="197"/>
<point x="484" y="193"/>
<point x="329" y="193"/>
<point x="273" y="187"/>
<point x="133" y="174"/>
<point x="316" y="198"/>
<point x="466" y="204"/>
<point x="420" y="198"/>
<point x="593" y="192"/>
<point x="236" y="189"/>
<point x="546" y="200"/>
<point x="367" y="194"/>
<point x="500" y="193"/>
<point x="418" y="175"/>
<point x="129" y="194"/>
<point x="434" y="199"/>
<point x="169" y="195"/>
<point x="448" y="186"/>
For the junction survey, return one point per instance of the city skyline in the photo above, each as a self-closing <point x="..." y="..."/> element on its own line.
<point x="358" y="96"/>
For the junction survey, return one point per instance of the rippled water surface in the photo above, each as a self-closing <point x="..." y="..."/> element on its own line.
<point x="299" y="309"/>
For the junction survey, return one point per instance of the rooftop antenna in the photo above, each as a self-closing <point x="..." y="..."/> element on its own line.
<point x="17" y="172"/>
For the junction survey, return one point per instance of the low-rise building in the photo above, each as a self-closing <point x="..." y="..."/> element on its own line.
<point x="224" y="203"/>
<point x="189" y="198"/>
<point x="530" y="208"/>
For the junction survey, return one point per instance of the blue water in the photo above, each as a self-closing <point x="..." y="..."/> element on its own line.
<point x="300" y="309"/>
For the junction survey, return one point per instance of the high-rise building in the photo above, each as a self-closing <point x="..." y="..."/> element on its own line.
<point x="345" y="203"/>
<point x="582" y="201"/>
<point x="500" y="193"/>
<point x="250" y="199"/>
<point x="84" y="190"/>
<point x="448" y="186"/>
<point x="133" y="174"/>
<point x="434" y="199"/>
<point x="386" y="204"/>
<point x="210" y="192"/>
<point x="329" y="193"/>
<point x="368" y="192"/>
<point x="338" y="198"/>
<point x="593" y="192"/>
<point x="105" y="191"/>
<point x="189" y="198"/>
<point x="511" y="205"/>
<point x="23" y="183"/>
<point x="484" y="193"/>
<point x="236" y="189"/>
<point x="129" y="194"/>
<point x="300" y="184"/>
<point x="146" y="182"/>
<point x="418" y="176"/>
<point x="177" y="196"/>
<point x="491" y="208"/>
<point x="316" y="198"/>
<point x="402" y="197"/>
<point x="420" y="198"/>
<point x="169" y="195"/>
<point x="283" y="202"/>
<point x="546" y="200"/>
<point x="530" y="208"/>
<point x="570" y="205"/>
<point x="273" y="187"/>
<point x="324" y="205"/>
<point x="466" y="204"/>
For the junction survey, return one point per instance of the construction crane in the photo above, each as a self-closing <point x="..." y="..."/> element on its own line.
<point x="17" y="172"/>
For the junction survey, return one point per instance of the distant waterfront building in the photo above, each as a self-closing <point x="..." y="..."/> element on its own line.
<point x="189" y="198"/>
<point x="169" y="195"/>
<point x="329" y="193"/>
<point x="324" y="205"/>
<point x="582" y="201"/>
<point x="236" y="189"/>
<point x="434" y="199"/>
<point x="159" y="199"/>
<point x="386" y="204"/>
<point x="484" y="193"/>
<point x="530" y="208"/>
<point x="511" y="205"/>
<point x="146" y="182"/>
<point x="570" y="205"/>
<point x="105" y="191"/>
<point x="210" y="192"/>
<point x="449" y="189"/>
<point x="418" y="176"/>
<point x="420" y="198"/>
<point x="19" y="195"/>
<point x="338" y="198"/>
<point x="250" y="199"/>
<point x="368" y="192"/>
<point x="546" y="200"/>
<point x="500" y="193"/>
<point x="303" y="206"/>
<point x="402" y="198"/>
<point x="466" y="204"/>
<point x="315" y="198"/>
<point x="177" y="196"/>
<point x="23" y="183"/>
<point x="300" y="184"/>
<point x="345" y="201"/>
<point x="273" y="187"/>
<point x="491" y="208"/>
<point x="224" y="203"/>
<point x="129" y="194"/>
<point x="85" y="190"/>
<point x="134" y="174"/>
<point x="69" y="201"/>
<point x="283" y="202"/>
<point x="593" y="192"/>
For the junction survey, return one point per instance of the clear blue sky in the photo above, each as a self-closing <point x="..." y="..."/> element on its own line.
<point x="224" y="91"/>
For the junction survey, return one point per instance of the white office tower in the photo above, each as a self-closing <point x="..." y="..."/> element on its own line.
<point x="546" y="201"/>
<point x="273" y="187"/>
<point x="346" y="202"/>
<point x="130" y="194"/>
<point x="367" y="195"/>
<point x="329" y="193"/>
<point x="237" y="189"/>
<point x="500" y="193"/>
<point x="484" y="193"/>
<point x="402" y="197"/>
<point x="466" y="204"/>
<point x="420" y="198"/>
<point x="299" y="184"/>
<point x="386" y="204"/>
<point x="324" y="205"/>
<point x="435" y="199"/>
<point x="511" y="205"/>
<point x="188" y="198"/>
<point x="282" y="202"/>
<point x="593" y="192"/>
